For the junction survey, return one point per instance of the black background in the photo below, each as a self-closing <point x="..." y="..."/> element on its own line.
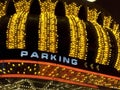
<point x="112" y="6"/>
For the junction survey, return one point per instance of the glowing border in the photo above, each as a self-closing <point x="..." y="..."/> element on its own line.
<point x="53" y="78"/>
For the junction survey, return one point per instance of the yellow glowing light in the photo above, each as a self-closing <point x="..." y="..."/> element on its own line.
<point x="23" y="72"/>
<point x="30" y="69"/>
<point x="116" y="32"/>
<point x="13" y="65"/>
<point x="8" y="71"/>
<point x="2" y="8"/>
<point x="78" y="45"/>
<point x="22" y="5"/>
<point x="19" y="64"/>
<point x="18" y="72"/>
<point x="47" y="28"/>
<point x="35" y="73"/>
<point x="11" y="69"/>
<point x="16" y="26"/>
<point x="22" y="63"/>
<point x="38" y="72"/>
<point x="4" y="68"/>
<point x="103" y="39"/>
<point x="4" y="72"/>
<point x="72" y="9"/>
<point x="47" y="32"/>
<point x="15" y="33"/>
<point x="0" y="70"/>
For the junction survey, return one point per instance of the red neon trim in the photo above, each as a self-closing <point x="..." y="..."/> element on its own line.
<point x="47" y="78"/>
<point x="63" y="66"/>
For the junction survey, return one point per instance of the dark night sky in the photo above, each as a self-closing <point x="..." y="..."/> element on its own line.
<point x="112" y="6"/>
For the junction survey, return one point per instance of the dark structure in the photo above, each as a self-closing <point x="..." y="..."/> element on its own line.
<point x="53" y="44"/>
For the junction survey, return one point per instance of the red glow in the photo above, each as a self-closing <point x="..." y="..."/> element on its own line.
<point x="63" y="66"/>
<point x="53" y="78"/>
<point x="46" y="78"/>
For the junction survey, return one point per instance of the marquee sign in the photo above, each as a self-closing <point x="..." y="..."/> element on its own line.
<point x="18" y="68"/>
<point x="51" y="66"/>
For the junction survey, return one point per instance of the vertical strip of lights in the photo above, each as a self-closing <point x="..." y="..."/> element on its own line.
<point x="2" y="8"/>
<point x="47" y="28"/>
<point x="83" y="43"/>
<point x="21" y="31"/>
<point x="106" y="44"/>
<point x="118" y="59"/>
<point x="92" y="18"/>
<point x="16" y="26"/>
<point x="106" y="24"/>
<point x="81" y="38"/>
<point x="117" y="36"/>
<point x="47" y="15"/>
<point x="73" y="43"/>
<point x="103" y="41"/>
<point x="42" y="33"/>
<point x="53" y="33"/>
<point x="77" y="33"/>
<point x="11" y="32"/>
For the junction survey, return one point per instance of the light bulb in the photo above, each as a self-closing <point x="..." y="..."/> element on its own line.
<point x="91" y="0"/>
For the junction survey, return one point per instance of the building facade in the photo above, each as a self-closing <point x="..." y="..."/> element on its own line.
<point x="58" y="45"/>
